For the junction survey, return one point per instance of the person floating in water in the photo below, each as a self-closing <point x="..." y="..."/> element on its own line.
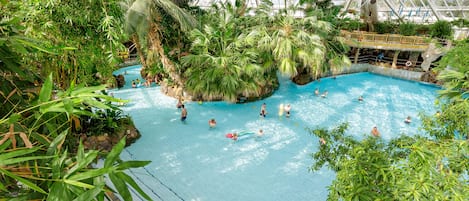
<point x="241" y="135"/>
<point x="287" y="110"/>
<point x="183" y="113"/>
<point x="408" y="120"/>
<point x="260" y="133"/>
<point x="263" y="110"/>
<point x="212" y="123"/>
<point x="316" y="92"/>
<point x="134" y="85"/>
<point x="324" y="95"/>
<point x="360" y="98"/>
<point x="375" y="132"/>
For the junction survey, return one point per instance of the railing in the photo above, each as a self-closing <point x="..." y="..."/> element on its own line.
<point x="373" y="59"/>
<point x="385" y="41"/>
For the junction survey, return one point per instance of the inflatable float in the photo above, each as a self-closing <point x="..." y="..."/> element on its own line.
<point x="237" y="136"/>
<point x="280" y="110"/>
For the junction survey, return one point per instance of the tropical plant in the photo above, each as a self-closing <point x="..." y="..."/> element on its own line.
<point x="144" y="22"/>
<point x="453" y="72"/>
<point x="350" y="24"/>
<point x="85" y="36"/>
<point x="299" y="45"/>
<point x="35" y="161"/>
<point x="385" y="27"/>
<point x="405" y="168"/>
<point x="224" y="63"/>
<point x="441" y="29"/>
<point x="407" y="29"/>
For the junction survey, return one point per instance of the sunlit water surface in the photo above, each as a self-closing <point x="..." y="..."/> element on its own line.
<point x="190" y="161"/>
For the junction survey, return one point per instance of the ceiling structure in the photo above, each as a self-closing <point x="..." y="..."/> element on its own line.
<point x="417" y="11"/>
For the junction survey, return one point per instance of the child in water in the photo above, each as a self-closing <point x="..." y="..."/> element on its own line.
<point x="212" y="123"/>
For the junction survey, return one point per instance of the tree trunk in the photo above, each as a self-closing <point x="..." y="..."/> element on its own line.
<point x="139" y="51"/>
<point x="157" y="47"/>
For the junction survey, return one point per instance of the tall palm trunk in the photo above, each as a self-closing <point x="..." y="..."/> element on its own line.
<point x="157" y="47"/>
<point x="136" y="41"/>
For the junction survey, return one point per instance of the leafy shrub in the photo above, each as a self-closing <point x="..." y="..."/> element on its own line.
<point x="407" y="29"/>
<point x="384" y="27"/>
<point x="351" y="25"/>
<point x="441" y="29"/>
<point x="422" y="29"/>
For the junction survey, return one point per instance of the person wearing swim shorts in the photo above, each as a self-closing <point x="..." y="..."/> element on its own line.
<point x="263" y="110"/>
<point x="183" y="113"/>
<point x="287" y="110"/>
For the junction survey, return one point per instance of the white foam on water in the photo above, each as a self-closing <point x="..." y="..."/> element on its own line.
<point x="171" y="160"/>
<point x="298" y="162"/>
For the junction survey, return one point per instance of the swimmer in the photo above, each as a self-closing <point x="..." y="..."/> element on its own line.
<point x="375" y="131"/>
<point x="183" y="113"/>
<point x="260" y="133"/>
<point x="133" y="84"/>
<point x="322" y="141"/>
<point x="287" y="110"/>
<point x="263" y="110"/>
<point x="408" y="120"/>
<point x="212" y="123"/>
<point x="360" y="98"/>
<point x="324" y="95"/>
<point x="316" y="92"/>
<point x="179" y="104"/>
<point x="235" y="136"/>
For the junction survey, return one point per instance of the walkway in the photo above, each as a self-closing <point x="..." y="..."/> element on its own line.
<point x="371" y="40"/>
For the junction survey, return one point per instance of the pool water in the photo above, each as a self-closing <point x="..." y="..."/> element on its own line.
<point x="191" y="161"/>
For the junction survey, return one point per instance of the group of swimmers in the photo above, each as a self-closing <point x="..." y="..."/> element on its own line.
<point x="282" y="109"/>
<point x="323" y="95"/>
<point x="287" y="108"/>
<point x="137" y="82"/>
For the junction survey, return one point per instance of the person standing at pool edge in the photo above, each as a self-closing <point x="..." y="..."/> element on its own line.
<point x="183" y="113"/>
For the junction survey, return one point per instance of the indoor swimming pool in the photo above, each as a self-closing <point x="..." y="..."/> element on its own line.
<point x="191" y="161"/>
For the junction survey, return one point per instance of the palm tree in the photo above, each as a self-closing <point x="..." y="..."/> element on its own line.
<point x="144" y="23"/>
<point x="293" y="48"/>
<point x="225" y="63"/>
<point x="453" y="71"/>
<point x="304" y="45"/>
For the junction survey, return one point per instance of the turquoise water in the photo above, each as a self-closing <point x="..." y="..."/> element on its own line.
<point x="190" y="161"/>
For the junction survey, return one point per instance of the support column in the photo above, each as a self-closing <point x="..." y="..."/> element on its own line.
<point x="394" y="60"/>
<point x="414" y="57"/>
<point x="356" y="56"/>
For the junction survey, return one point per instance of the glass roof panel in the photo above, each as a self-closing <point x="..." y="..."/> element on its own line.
<point x="418" y="11"/>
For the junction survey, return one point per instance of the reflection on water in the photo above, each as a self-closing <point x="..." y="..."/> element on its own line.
<point x="194" y="162"/>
